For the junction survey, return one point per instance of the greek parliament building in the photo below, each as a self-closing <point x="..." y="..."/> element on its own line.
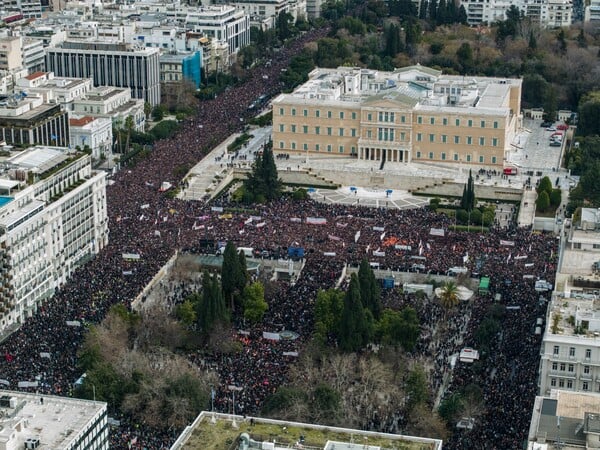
<point x="109" y="64"/>
<point x="52" y="219"/>
<point x="411" y="114"/>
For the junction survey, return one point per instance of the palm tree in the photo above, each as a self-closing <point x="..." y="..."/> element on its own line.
<point x="129" y="127"/>
<point x="449" y="295"/>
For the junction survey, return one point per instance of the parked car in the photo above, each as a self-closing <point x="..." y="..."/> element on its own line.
<point x="562" y="127"/>
<point x="551" y="128"/>
<point x="555" y="143"/>
<point x="546" y="124"/>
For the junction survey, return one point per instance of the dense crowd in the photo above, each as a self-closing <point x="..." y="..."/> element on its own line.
<point x="332" y="235"/>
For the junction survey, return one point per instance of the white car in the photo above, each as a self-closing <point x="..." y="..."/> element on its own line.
<point x="551" y="129"/>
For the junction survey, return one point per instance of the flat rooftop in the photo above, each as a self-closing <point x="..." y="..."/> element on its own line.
<point x="39" y="158"/>
<point x="207" y="433"/>
<point x="55" y="421"/>
<point x="577" y="316"/>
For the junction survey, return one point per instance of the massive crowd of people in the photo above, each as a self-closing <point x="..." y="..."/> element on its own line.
<point x="332" y="236"/>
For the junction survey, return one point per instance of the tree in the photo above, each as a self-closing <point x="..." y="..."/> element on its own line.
<point x="590" y="183"/>
<point x="255" y="305"/>
<point x="230" y="273"/>
<point x="147" y="109"/>
<point x="589" y="114"/>
<point x="561" y="40"/>
<point x="545" y="185"/>
<point x="354" y="326"/>
<point x="543" y="201"/>
<point x="370" y="292"/>
<point x="449" y="295"/>
<point x="186" y="313"/>
<point x="550" y="105"/>
<point x="129" y="124"/>
<point x="210" y="307"/>
<point x="328" y="315"/>
<point x="555" y="197"/>
<point x="399" y="328"/>
<point x="465" y="57"/>
<point x="468" y="201"/>
<point x="262" y="183"/>
<point x="451" y="408"/>
<point x="581" y="41"/>
<point x="416" y="388"/>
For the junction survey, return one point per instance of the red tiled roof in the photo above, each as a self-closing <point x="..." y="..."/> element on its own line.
<point x="81" y="122"/>
<point x="35" y="75"/>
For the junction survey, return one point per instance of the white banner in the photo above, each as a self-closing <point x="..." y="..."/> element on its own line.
<point x="508" y="243"/>
<point x="217" y="209"/>
<point x="271" y="336"/>
<point x="27" y="384"/>
<point x="437" y="232"/>
<point x="316" y="220"/>
<point x="521" y="257"/>
<point x="377" y="253"/>
<point x="260" y="225"/>
<point x="333" y="238"/>
<point x="73" y="323"/>
<point x="45" y="355"/>
<point x="296" y="219"/>
<point x="290" y="353"/>
<point x="357" y="236"/>
<point x="407" y="248"/>
<point x="5" y="382"/>
<point x="328" y="253"/>
<point x="378" y="228"/>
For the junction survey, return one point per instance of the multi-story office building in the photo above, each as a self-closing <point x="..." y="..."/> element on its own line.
<point x="546" y="13"/>
<point x="28" y="120"/>
<point x="412" y="114"/>
<point x="178" y="67"/>
<point x="221" y="22"/>
<point x="113" y="103"/>
<point x="94" y="133"/>
<point x="33" y="421"/>
<point x="31" y="9"/>
<point x="52" y="219"/>
<point x="33" y="54"/>
<point x="109" y="64"/>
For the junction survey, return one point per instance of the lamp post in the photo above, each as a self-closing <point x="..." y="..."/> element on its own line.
<point x="233" y="390"/>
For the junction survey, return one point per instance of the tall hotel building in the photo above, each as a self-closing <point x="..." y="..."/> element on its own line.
<point x="412" y="114"/>
<point x="109" y="64"/>
<point x="52" y="219"/>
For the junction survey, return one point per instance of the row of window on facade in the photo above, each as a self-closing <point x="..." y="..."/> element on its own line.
<point x="317" y="147"/>
<point x="390" y="117"/>
<point x="390" y="135"/>
<point x="572" y="352"/>
<point x="562" y="383"/>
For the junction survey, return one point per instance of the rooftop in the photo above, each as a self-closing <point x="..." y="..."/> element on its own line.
<point x="207" y="433"/>
<point x="38" y="158"/>
<point x="54" y="420"/>
<point x="35" y="75"/>
<point x="414" y="86"/>
<point x="81" y="122"/>
<point x="576" y="316"/>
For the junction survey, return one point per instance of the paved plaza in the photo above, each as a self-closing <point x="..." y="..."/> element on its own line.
<point x="354" y="195"/>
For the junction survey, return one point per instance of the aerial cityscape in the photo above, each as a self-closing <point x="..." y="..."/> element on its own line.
<point x="299" y="224"/>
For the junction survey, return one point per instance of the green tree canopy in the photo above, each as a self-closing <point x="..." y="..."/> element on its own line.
<point x="263" y="183"/>
<point x="354" y="333"/>
<point x="255" y="305"/>
<point x="370" y="292"/>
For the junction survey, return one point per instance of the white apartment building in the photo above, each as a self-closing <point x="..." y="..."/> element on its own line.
<point x="52" y="219"/>
<point x="221" y="22"/>
<point x="570" y="353"/>
<point x="113" y="103"/>
<point x="263" y="13"/>
<point x="50" y="422"/>
<point x="11" y="57"/>
<point x="548" y="13"/>
<point x="94" y="132"/>
<point x="571" y="345"/>
<point x="313" y="8"/>
<point x="63" y="90"/>
<point x="31" y="9"/>
<point x="33" y="54"/>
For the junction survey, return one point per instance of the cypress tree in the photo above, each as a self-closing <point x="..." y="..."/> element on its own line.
<point x="370" y="293"/>
<point x="230" y="273"/>
<point x="354" y="322"/>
